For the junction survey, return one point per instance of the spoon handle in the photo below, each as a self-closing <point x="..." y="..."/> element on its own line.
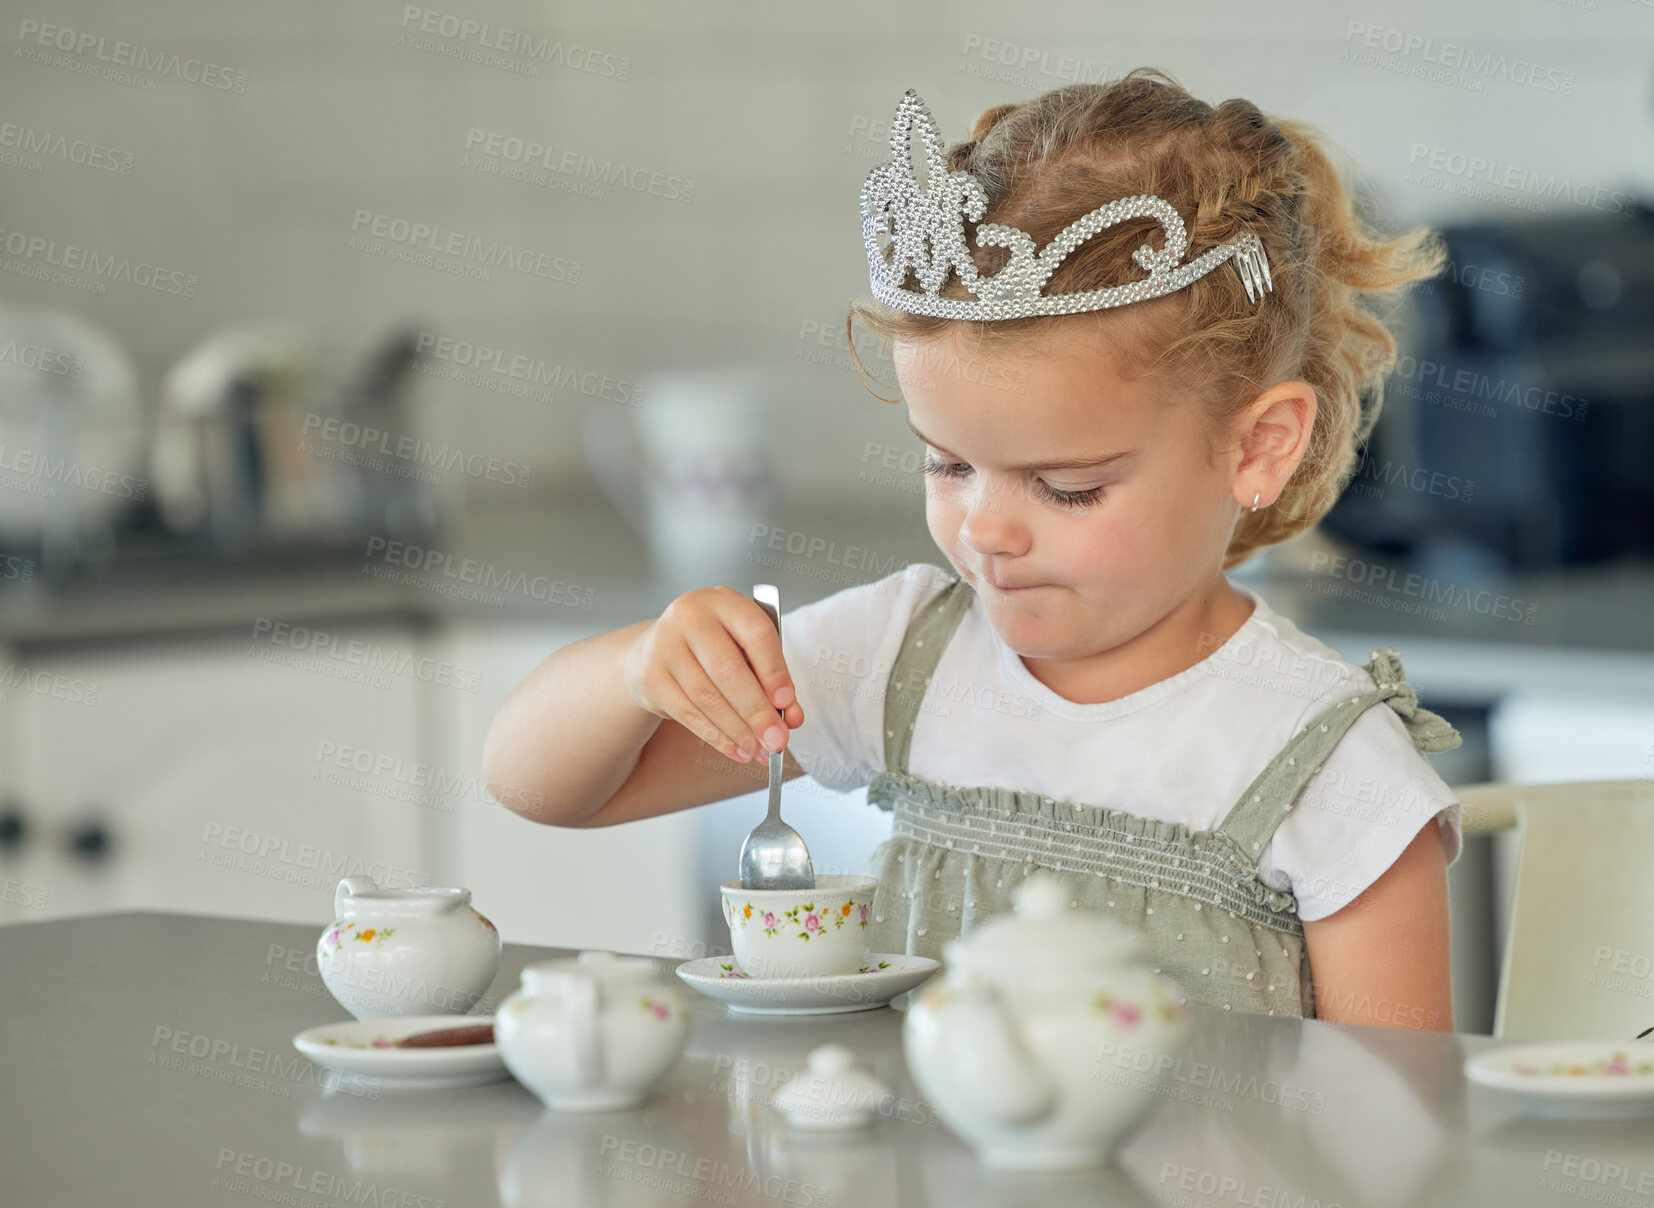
<point x="769" y="599"/>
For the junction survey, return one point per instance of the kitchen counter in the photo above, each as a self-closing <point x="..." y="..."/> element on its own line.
<point x="98" y="1106"/>
<point x="572" y="559"/>
<point x="569" y="563"/>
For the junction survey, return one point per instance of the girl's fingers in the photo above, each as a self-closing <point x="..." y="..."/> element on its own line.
<point x="726" y="665"/>
<point x="682" y="710"/>
<point x="749" y="625"/>
<point x="710" y="700"/>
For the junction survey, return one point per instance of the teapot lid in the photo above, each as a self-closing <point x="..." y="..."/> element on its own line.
<point x="1045" y="932"/>
<point x="601" y="967"/>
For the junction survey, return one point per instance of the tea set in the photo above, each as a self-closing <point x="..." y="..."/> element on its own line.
<point x="1001" y="1043"/>
<point x="599" y="1032"/>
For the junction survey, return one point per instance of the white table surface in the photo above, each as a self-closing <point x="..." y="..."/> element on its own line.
<point x="94" y="1109"/>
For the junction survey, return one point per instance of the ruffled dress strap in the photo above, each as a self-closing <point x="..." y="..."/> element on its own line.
<point x="1251" y="822"/>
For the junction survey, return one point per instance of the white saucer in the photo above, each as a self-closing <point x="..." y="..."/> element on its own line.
<point x="349" y="1047"/>
<point x="1607" y="1079"/>
<point x="885" y="976"/>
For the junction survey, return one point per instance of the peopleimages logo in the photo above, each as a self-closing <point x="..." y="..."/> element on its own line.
<point x="1420" y="590"/>
<point x="38" y="356"/>
<point x="475" y="364"/>
<point x="530" y="153"/>
<point x="265" y="1178"/>
<point x="1453" y="58"/>
<point x="1550" y="185"/>
<point x="118" y="53"/>
<point x="470" y="40"/>
<point x="1480" y="392"/>
<point x="27" y="141"/>
<point x="408" y="451"/>
<point x="48" y="683"/>
<point x="1373" y="476"/>
<point x="467" y="255"/>
<point x="35" y="253"/>
<point x="468" y="571"/>
<point x="625" y="1159"/>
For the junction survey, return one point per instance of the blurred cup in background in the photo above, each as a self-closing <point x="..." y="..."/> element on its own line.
<point x="692" y="470"/>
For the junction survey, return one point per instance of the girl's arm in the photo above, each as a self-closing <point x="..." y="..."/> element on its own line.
<point x="570" y="747"/>
<point x="1383" y="959"/>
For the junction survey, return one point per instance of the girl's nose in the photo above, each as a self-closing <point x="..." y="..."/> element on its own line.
<point x="991" y="527"/>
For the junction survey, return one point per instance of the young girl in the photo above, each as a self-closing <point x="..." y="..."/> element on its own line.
<point x="1082" y="689"/>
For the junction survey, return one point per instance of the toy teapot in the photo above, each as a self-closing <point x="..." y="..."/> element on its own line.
<point x="392" y="952"/>
<point x="591" y="1034"/>
<point x="1009" y="1043"/>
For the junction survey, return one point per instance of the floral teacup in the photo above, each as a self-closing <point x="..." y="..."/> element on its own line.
<point x="816" y="932"/>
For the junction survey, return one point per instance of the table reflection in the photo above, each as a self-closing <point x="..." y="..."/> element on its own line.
<point x="1251" y="1110"/>
<point x="1329" y="1113"/>
<point x="402" y="1132"/>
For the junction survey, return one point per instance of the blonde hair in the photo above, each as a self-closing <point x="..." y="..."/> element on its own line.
<point x="1227" y="169"/>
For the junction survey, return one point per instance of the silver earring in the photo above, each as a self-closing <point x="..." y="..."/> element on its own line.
<point x="1256" y="495"/>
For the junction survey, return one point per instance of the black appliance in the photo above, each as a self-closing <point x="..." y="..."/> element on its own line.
<point x="1521" y="422"/>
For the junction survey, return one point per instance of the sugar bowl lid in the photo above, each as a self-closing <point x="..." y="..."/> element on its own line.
<point x="833" y="1093"/>
<point x="1046" y="933"/>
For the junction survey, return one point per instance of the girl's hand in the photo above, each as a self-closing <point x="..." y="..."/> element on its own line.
<point x="712" y="663"/>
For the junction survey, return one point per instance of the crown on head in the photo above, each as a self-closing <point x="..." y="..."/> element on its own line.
<point x="927" y="230"/>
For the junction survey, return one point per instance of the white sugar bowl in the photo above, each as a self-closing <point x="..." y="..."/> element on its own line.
<point x="393" y="952"/>
<point x="594" y="1033"/>
<point x="1009" y="1043"/>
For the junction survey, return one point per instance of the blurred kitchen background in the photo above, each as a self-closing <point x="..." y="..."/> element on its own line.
<point x="330" y="335"/>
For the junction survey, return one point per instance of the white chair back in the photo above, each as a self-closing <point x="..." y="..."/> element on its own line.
<point x="1579" y="949"/>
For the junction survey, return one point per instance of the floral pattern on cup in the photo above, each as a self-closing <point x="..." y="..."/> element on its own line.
<point x="810" y="921"/>
<point x="1616" y="1064"/>
<point x="483" y="919"/>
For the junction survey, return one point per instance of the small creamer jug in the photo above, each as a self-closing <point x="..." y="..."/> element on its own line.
<point x="594" y="1033"/>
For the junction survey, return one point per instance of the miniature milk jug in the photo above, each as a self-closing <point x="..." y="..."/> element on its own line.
<point x="595" y="1033"/>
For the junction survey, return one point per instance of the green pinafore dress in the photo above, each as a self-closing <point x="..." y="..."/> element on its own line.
<point x="957" y="853"/>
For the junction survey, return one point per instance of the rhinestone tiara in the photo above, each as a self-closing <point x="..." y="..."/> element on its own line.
<point x="927" y="230"/>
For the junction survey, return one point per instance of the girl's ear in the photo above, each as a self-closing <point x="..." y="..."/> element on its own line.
<point x="1274" y="436"/>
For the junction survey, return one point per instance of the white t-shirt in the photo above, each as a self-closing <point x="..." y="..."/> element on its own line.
<point x="1182" y="750"/>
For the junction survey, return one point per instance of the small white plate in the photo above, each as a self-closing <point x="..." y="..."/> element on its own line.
<point x="885" y="976"/>
<point x="365" y="1047"/>
<point x="1572" y="1078"/>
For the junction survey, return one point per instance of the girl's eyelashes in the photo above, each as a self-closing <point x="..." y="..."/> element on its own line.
<point x="1072" y="499"/>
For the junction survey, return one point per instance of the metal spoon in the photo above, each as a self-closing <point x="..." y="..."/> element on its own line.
<point x="773" y="855"/>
